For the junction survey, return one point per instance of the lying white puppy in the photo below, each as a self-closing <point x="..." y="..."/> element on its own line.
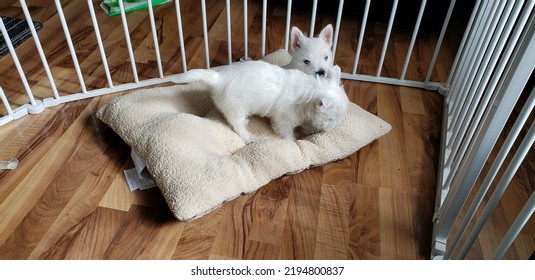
<point x="290" y="98"/>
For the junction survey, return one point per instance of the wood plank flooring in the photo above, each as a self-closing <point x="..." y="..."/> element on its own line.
<point x="68" y="199"/>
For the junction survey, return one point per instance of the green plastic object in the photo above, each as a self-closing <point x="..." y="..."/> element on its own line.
<point x="111" y="7"/>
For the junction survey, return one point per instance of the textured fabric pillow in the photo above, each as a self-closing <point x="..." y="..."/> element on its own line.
<point x="199" y="162"/>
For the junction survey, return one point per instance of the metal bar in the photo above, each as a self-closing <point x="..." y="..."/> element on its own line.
<point x="229" y="33"/>
<point x="483" y="53"/>
<point x="264" y="19"/>
<point x="497" y="73"/>
<point x="493" y="171"/>
<point x="205" y="34"/>
<point x="155" y="38"/>
<point x="391" y="81"/>
<point x="469" y="25"/>
<point x="99" y="41"/>
<point x="441" y="188"/>
<point x="287" y="33"/>
<point x="313" y="18"/>
<point x="413" y="39"/>
<point x="361" y="36"/>
<point x="439" y="42"/>
<point x="474" y="43"/>
<point x="387" y="37"/>
<point x="6" y="103"/>
<point x="516" y="227"/>
<point x="500" y="189"/>
<point x="128" y="42"/>
<point x="245" y="32"/>
<point x="462" y="174"/>
<point x="461" y="68"/>
<point x="118" y="88"/>
<point x="39" y="48"/>
<point x="181" y="35"/>
<point x="461" y="53"/>
<point x="476" y="61"/>
<point x="5" y="119"/>
<point x="337" y="28"/>
<point x="479" y="83"/>
<point x="511" y="85"/>
<point x="15" y="58"/>
<point x="10" y="115"/>
<point x="71" y="46"/>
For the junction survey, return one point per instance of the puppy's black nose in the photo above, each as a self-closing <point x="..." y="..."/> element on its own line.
<point x="320" y="72"/>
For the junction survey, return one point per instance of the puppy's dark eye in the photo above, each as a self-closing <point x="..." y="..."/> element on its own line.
<point x="326" y="58"/>
<point x="306" y="61"/>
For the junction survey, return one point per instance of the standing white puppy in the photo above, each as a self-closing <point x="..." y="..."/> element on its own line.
<point x="311" y="55"/>
<point x="290" y="98"/>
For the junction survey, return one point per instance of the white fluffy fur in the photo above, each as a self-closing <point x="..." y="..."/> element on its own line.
<point x="290" y="98"/>
<point x="311" y="55"/>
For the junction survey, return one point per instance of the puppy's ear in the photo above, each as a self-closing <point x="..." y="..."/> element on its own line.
<point x="323" y="102"/>
<point x="296" y="38"/>
<point x="320" y="103"/>
<point x="326" y="35"/>
<point x="334" y="74"/>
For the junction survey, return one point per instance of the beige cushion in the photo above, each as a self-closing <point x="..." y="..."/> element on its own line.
<point x="199" y="162"/>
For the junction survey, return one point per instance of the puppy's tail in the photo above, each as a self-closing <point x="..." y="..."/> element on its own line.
<point x="205" y="75"/>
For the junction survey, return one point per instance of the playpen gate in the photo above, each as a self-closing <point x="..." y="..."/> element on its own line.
<point x="492" y="66"/>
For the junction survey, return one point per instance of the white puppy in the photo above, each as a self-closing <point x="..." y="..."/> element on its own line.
<point x="311" y="55"/>
<point x="290" y="98"/>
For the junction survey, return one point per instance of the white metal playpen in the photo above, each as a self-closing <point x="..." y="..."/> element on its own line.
<point x="492" y="66"/>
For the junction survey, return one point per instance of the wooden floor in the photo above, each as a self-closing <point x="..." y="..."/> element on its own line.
<point x="68" y="198"/>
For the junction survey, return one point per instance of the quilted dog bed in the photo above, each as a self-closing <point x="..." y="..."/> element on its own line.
<point x="199" y="162"/>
